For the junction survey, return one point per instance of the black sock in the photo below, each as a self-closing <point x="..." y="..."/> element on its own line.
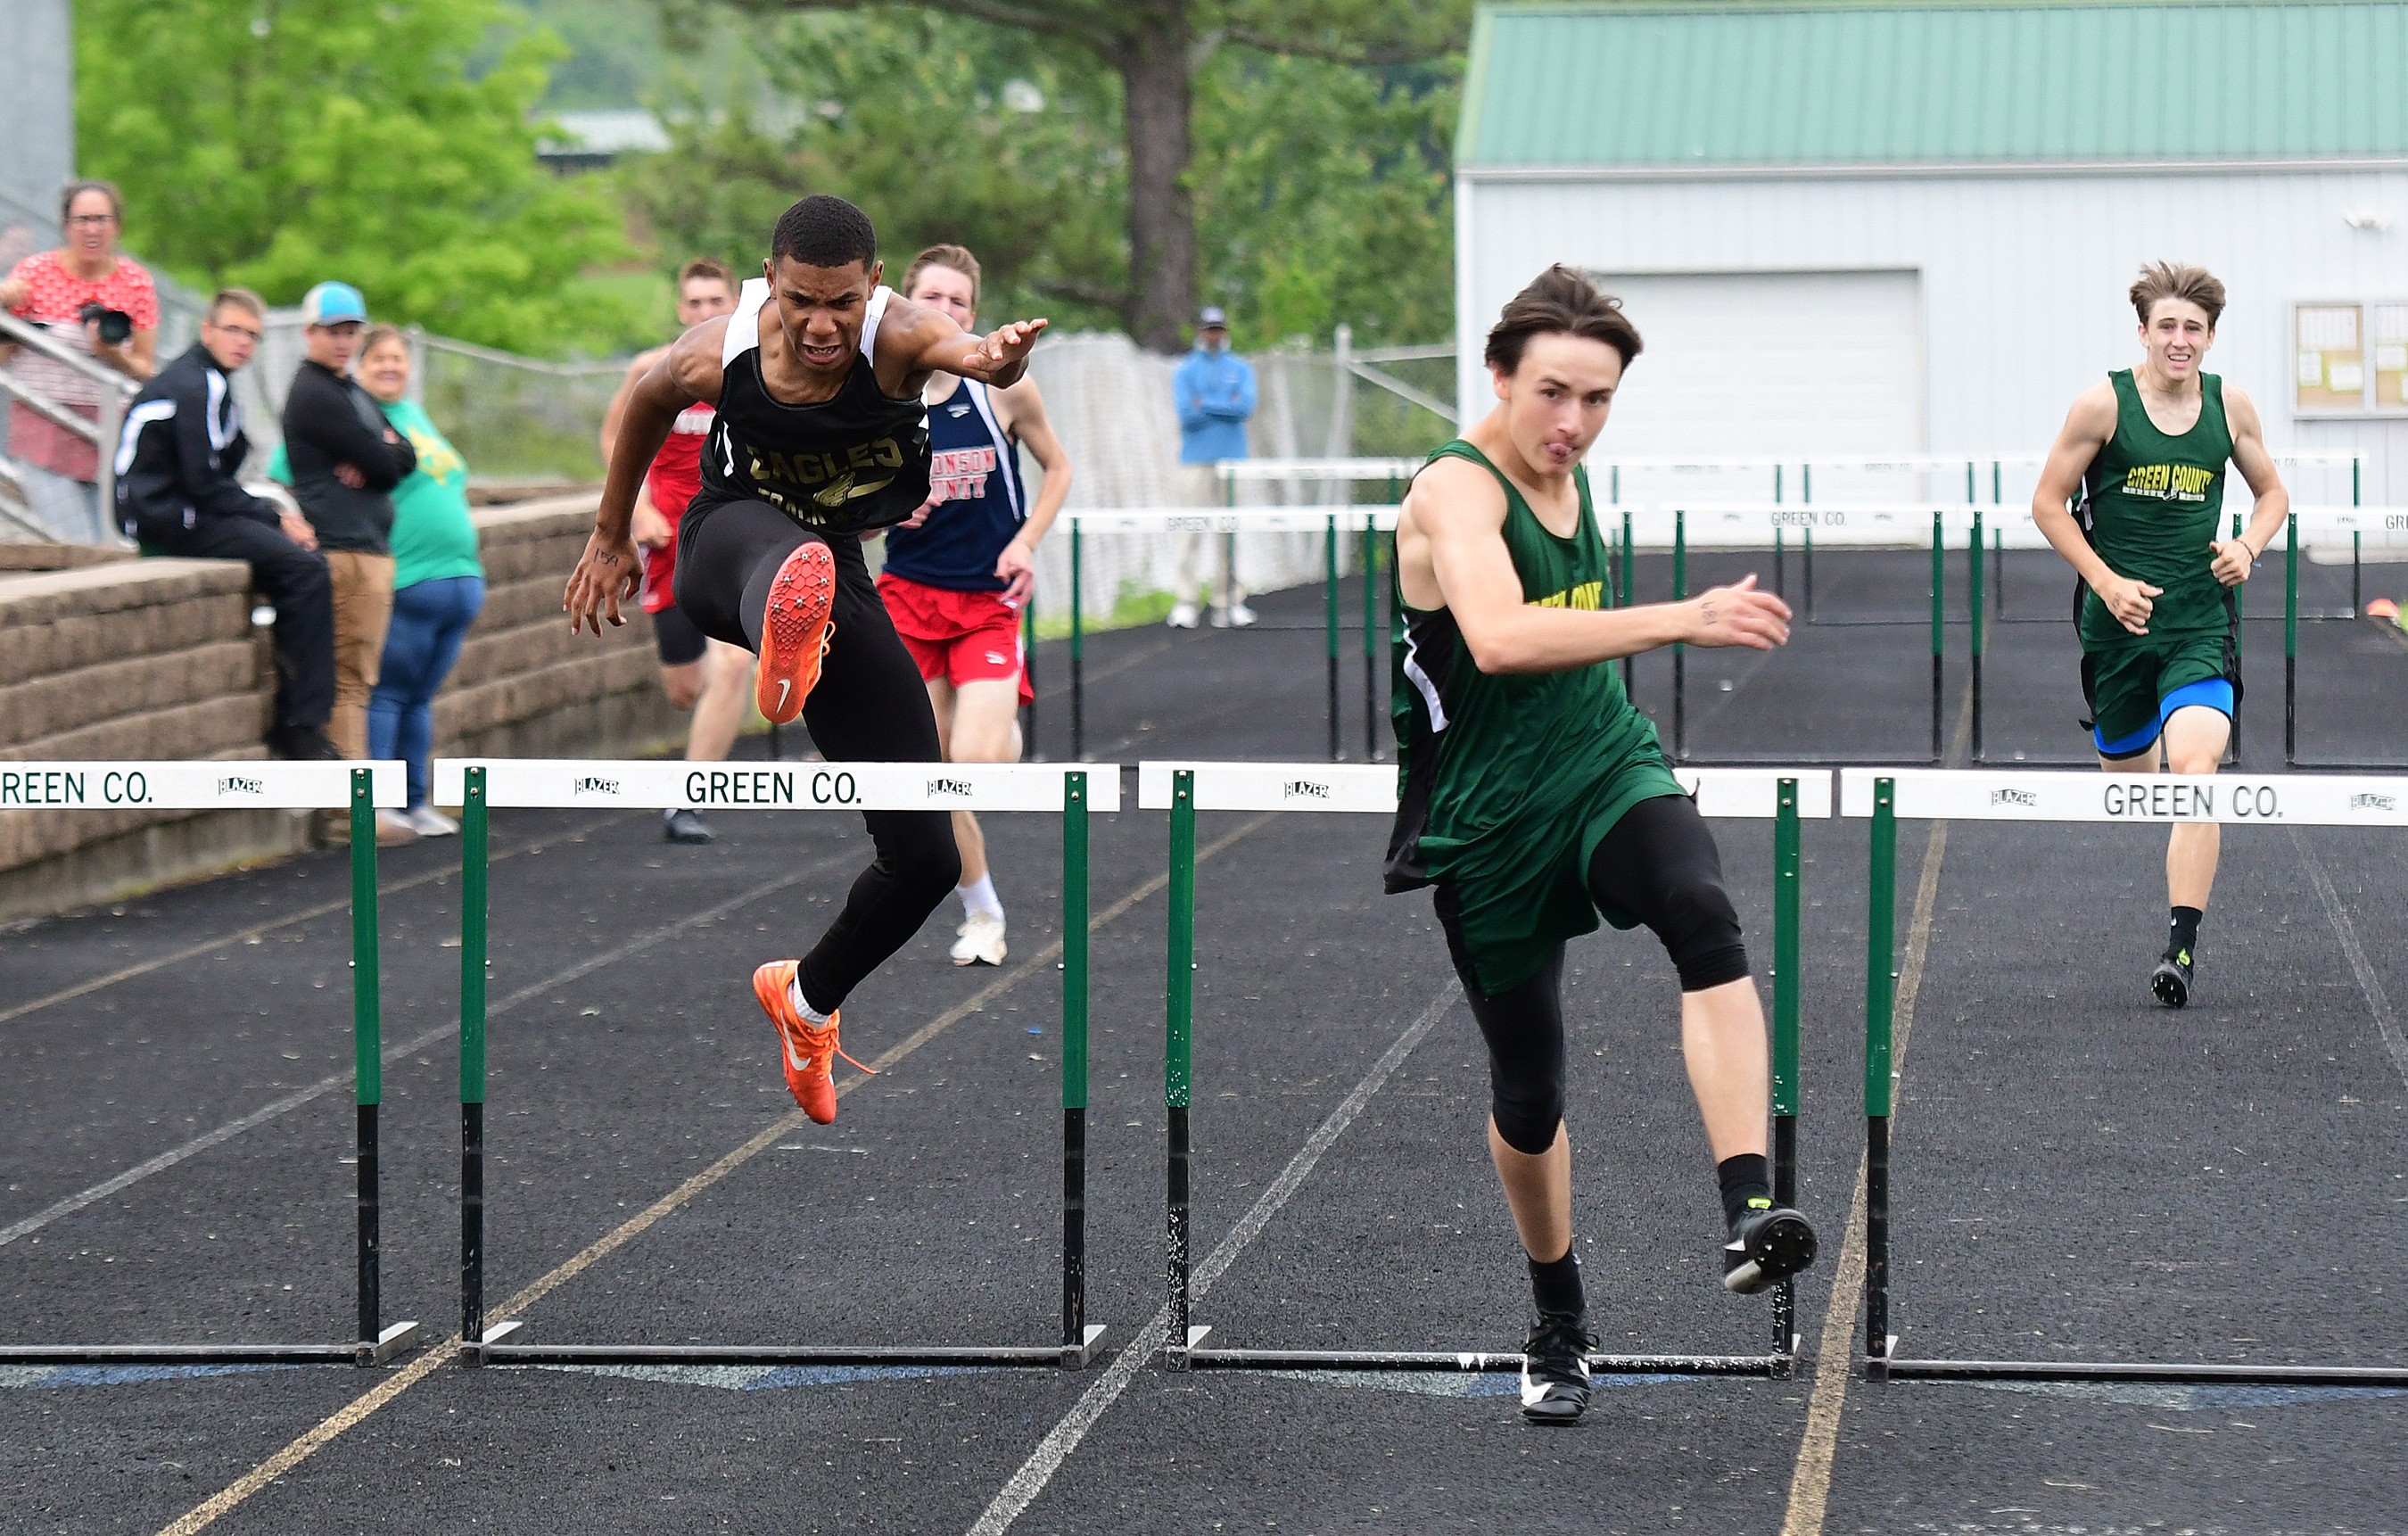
<point x="1744" y="1178"/>
<point x="2181" y="924"/>
<point x="1556" y="1286"/>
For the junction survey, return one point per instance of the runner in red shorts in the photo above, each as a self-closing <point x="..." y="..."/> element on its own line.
<point x="707" y="676"/>
<point x="957" y="574"/>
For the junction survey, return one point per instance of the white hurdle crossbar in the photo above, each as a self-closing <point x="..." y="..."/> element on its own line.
<point x="1884" y="797"/>
<point x="1785" y="795"/>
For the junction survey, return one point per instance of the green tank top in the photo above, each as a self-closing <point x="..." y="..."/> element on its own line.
<point x="2150" y="505"/>
<point x="1512" y="781"/>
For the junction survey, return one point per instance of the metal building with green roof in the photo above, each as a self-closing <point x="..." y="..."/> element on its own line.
<point x="1875" y="227"/>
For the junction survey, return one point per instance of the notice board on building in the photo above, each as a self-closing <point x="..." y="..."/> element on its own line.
<point x="2328" y="350"/>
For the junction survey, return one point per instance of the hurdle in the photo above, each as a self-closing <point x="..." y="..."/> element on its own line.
<point x="1883" y="798"/>
<point x="481" y="786"/>
<point x="1332" y="523"/>
<point x="1784" y="796"/>
<point x="364" y="789"/>
<point x="2389" y="526"/>
<point x="1756" y="526"/>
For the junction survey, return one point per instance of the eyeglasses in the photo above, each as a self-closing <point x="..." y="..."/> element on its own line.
<point x="94" y="218"/>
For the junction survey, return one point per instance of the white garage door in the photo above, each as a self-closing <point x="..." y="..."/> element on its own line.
<point x="1770" y="363"/>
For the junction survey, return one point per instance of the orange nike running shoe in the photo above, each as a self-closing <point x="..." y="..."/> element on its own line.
<point x="808" y="1050"/>
<point x="794" y="632"/>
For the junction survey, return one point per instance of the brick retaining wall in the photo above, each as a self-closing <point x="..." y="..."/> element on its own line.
<point x="158" y="659"/>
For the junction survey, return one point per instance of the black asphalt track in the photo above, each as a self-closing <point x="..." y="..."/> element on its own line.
<point x="2077" y="1170"/>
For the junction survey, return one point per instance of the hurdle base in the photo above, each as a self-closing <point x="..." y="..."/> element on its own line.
<point x="1463" y="1362"/>
<point x="2175" y="1373"/>
<point x="394" y="1341"/>
<point x="349" y="1354"/>
<point x="1058" y="1356"/>
<point x="472" y="1351"/>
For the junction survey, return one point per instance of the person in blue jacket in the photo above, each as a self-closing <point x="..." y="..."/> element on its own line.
<point x="1214" y="391"/>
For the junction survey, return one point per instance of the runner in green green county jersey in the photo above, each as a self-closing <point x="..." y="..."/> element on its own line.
<point x="2141" y="460"/>
<point x="1536" y="797"/>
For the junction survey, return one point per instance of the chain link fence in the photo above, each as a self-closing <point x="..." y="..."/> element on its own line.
<point x="1110" y="403"/>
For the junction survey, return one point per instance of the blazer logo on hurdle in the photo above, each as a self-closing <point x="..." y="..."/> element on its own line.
<point x="234" y="786"/>
<point x="2024" y="798"/>
<point x="1306" y="789"/>
<point x="2372" y="802"/>
<point x="594" y="784"/>
<point x="949" y="786"/>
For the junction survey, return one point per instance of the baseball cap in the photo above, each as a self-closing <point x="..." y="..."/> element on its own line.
<point x="332" y="302"/>
<point x="1213" y="315"/>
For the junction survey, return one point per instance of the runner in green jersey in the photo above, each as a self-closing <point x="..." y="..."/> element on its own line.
<point x="1536" y="797"/>
<point x="2140" y="460"/>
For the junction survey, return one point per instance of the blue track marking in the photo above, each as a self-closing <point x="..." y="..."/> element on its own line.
<point x="120" y="1375"/>
<point x="1437" y="1383"/>
<point x="764" y="1378"/>
<point x="2191" y="1399"/>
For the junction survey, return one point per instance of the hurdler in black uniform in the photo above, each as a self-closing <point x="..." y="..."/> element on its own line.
<point x="820" y="437"/>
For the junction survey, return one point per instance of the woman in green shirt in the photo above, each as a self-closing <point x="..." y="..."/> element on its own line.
<point x="437" y="585"/>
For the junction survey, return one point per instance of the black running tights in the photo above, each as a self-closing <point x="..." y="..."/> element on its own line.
<point x="1659" y="866"/>
<point x="870" y="707"/>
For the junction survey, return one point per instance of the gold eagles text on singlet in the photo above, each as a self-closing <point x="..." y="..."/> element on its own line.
<point x="827" y="480"/>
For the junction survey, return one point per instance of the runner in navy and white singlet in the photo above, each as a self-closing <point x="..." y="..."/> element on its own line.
<point x="957" y="577"/>
<point x="705" y="676"/>
<point x="820" y="437"/>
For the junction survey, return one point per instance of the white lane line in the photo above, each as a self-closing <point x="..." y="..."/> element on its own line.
<point x="1056" y="1448"/>
<point x="144" y="968"/>
<point x="1818" y="1447"/>
<point x="2386" y="1024"/>
<point x="324" y="1085"/>
<point x="234" y="1494"/>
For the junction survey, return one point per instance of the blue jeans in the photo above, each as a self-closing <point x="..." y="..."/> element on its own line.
<point x="430" y="619"/>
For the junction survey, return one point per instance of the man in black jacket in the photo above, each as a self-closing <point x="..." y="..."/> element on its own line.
<point x="346" y="460"/>
<point x="176" y="459"/>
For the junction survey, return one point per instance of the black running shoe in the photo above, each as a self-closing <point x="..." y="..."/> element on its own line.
<point x="1768" y="1243"/>
<point x="2170" y="981"/>
<point x="1554" y="1369"/>
<point x="686" y="824"/>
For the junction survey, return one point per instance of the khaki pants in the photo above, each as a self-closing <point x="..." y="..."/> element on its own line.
<point x="1200" y="561"/>
<point x="363" y="608"/>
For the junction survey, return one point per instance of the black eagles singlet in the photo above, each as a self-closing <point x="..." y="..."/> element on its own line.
<point x="854" y="461"/>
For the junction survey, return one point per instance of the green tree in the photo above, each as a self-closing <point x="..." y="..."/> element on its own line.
<point x="275" y="143"/>
<point x="1156" y="50"/>
<point x="1323" y="189"/>
<point x="1325" y="195"/>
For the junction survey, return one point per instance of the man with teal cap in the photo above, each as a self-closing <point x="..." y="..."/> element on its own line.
<point x="346" y="459"/>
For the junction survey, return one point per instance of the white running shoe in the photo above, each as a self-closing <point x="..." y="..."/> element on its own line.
<point x="431" y="822"/>
<point x="982" y="941"/>
<point x="1182" y="616"/>
<point x="393" y="828"/>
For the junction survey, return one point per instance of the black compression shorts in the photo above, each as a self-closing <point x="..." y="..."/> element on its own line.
<point x="868" y="706"/>
<point x="1658" y="865"/>
<point x="680" y="643"/>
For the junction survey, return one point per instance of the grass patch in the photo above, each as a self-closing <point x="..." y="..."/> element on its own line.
<point x="1134" y="611"/>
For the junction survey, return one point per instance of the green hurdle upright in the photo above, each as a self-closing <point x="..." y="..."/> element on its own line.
<point x="1784" y="796"/>
<point x="482" y="786"/>
<point x="1770" y="523"/>
<point x="363" y="789"/>
<point x="1883" y="798"/>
